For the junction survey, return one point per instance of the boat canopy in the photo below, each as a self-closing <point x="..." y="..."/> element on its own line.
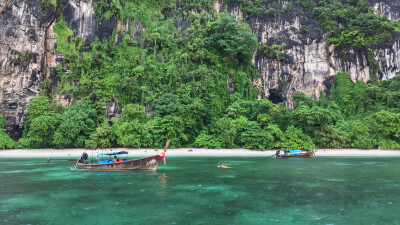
<point x="290" y="150"/>
<point x="295" y="151"/>
<point x="114" y="153"/>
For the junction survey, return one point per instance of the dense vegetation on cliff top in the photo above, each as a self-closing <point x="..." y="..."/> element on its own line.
<point x="194" y="86"/>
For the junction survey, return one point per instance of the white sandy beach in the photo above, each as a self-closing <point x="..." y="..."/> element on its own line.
<point x="75" y="153"/>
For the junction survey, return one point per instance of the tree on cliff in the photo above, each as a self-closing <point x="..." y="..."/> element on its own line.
<point x="232" y="38"/>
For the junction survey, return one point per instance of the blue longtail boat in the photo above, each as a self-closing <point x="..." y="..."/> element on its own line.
<point x="291" y="153"/>
<point x="147" y="163"/>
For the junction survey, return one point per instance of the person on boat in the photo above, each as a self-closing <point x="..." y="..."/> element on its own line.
<point x="83" y="157"/>
<point x="222" y="166"/>
<point x="116" y="159"/>
<point x="277" y="153"/>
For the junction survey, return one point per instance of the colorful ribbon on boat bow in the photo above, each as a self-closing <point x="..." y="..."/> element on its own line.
<point x="162" y="155"/>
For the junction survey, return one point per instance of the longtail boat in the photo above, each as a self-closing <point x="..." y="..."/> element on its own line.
<point x="288" y="153"/>
<point x="147" y="163"/>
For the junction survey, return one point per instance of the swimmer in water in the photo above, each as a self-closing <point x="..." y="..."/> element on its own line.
<point x="222" y="166"/>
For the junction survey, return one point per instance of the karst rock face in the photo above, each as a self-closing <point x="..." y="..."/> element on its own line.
<point x="309" y="62"/>
<point x="22" y="52"/>
<point x="28" y="53"/>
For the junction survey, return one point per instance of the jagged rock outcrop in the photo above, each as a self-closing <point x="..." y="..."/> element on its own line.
<point x="28" y="53"/>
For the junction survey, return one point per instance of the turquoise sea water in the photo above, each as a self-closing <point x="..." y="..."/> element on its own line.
<point x="192" y="190"/>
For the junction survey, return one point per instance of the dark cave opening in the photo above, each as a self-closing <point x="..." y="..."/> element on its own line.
<point x="275" y="97"/>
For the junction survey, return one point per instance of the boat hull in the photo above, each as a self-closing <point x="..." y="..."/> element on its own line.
<point x="148" y="163"/>
<point x="304" y="155"/>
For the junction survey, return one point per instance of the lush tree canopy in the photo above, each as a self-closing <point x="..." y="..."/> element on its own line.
<point x="355" y="115"/>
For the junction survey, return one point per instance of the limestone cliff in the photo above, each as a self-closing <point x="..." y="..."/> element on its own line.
<point x="28" y="50"/>
<point x="309" y="62"/>
<point x="28" y="55"/>
<point x="22" y="57"/>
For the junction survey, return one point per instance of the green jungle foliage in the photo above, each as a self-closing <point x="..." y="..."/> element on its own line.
<point x="5" y="141"/>
<point x="271" y="52"/>
<point x="359" y="26"/>
<point x="194" y="87"/>
<point x="349" y="23"/>
<point x="356" y="115"/>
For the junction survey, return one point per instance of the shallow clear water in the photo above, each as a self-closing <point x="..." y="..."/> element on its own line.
<point x="192" y="190"/>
